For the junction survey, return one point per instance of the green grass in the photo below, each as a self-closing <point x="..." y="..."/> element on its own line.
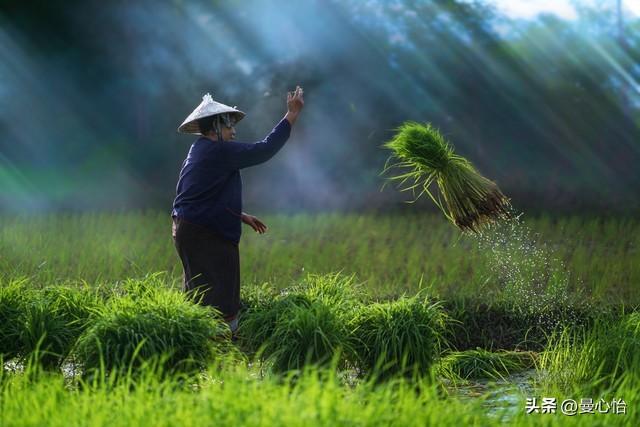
<point x="42" y="325"/>
<point x="12" y="304"/>
<point x="237" y="394"/>
<point x="480" y="363"/>
<point x="303" y="324"/>
<point x="324" y="319"/>
<point x="233" y="396"/>
<point x="389" y="254"/>
<point x="306" y="333"/>
<point x="149" y="322"/>
<point x="91" y="276"/>
<point x="598" y="356"/>
<point x="398" y="337"/>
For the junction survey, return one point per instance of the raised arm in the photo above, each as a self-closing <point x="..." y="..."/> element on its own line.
<point x="240" y="155"/>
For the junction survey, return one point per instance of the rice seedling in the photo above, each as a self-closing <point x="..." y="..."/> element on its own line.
<point x="44" y="336"/>
<point x="259" y="314"/>
<point x="385" y="251"/>
<point x="313" y="397"/>
<point x="398" y="337"/>
<point x="304" y="324"/>
<point x="134" y="330"/>
<point x="304" y="335"/>
<point x="51" y="321"/>
<point x="597" y="357"/>
<point x="480" y="363"/>
<point x="333" y="289"/>
<point x="471" y="201"/>
<point x="11" y="308"/>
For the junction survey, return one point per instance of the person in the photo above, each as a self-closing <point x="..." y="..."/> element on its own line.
<point x="207" y="210"/>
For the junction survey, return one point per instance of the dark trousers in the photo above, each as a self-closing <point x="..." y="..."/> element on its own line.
<point x="211" y="266"/>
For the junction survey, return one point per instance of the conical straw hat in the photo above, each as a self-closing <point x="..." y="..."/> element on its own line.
<point x="208" y="107"/>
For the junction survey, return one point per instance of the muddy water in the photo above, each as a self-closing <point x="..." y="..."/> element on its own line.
<point x="504" y="397"/>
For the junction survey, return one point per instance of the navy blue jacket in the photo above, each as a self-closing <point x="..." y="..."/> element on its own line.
<point x="209" y="190"/>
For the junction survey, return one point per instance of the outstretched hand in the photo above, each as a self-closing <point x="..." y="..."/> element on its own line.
<point x="254" y="222"/>
<point x="295" y="100"/>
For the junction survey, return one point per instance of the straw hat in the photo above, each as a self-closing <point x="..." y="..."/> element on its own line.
<point x="208" y="107"/>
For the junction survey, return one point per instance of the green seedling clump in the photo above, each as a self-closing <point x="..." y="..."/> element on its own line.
<point x="598" y="356"/>
<point x="51" y="321"/>
<point x="480" y="363"/>
<point x="306" y="334"/>
<point x="134" y="330"/>
<point x="11" y="307"/>
<point x="304" y="324"/>
<point x="398" y="337"/>
<point x="471" y="201"/>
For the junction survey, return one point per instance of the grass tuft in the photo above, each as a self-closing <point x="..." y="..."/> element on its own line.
<point x="480" y="363"/>
<point x="400" y="337"/>
<point x="11" y="307"/>
<point x="136" y="329"/>
<point x="306" y="334"/>
<point x="304" y="324"/>
<point x="52" y="319"/>
<point x="598" y="356"/>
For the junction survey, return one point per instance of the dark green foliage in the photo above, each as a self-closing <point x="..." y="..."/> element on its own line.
<point x="258" y="319"/>
<point x="334" y="290"/>
<point x="398" y="337"/>
<point x="498" y="324"/>
<point x="305" y="324"/>
<point x="51" y="321"/>
<point x="44" y="336"/>
<point x="471" y="201"/>
<point x="11" y="307"/>
<point x="480" y="363"/>
<point x="618" y="347"/>
<point x="161" y="324"/>
<point x="598" y="356"/>
<point x="306" y="334"/>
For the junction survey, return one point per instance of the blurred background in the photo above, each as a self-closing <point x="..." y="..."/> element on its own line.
<point x="542" y="96"/>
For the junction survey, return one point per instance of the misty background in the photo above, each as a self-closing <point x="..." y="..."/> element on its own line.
<point x="91" y="94"/>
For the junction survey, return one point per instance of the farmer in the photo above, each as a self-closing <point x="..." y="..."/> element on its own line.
<point x="207" y="211"/>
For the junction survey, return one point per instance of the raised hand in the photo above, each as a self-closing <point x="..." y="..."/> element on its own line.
<point x="295" y="100"/>
<point x="295" y="103"/>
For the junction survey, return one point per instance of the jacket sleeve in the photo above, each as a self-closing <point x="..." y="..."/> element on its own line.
<point x="238" y="155"/>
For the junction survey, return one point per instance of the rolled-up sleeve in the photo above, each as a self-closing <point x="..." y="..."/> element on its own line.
<point x="238" y="155"/>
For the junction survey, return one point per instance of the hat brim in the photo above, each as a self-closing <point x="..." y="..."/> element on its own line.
<point x="191" y="127"/>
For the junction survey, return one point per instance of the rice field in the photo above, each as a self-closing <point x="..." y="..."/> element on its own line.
<point x="347" y="319"/>
<point x="389" y="254"/>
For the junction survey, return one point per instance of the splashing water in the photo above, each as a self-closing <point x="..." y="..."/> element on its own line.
<point x="532" y="279"/>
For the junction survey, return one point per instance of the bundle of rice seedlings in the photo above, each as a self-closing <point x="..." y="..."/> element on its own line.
<point x="263" y="305"/>
<point x="44" y="336"/>
<point x="11" y="308"/>
<point x="258" y="318"/>
<point x="304" y="324"/>
<point x="471" y="201"/>
<point x="51" y="321"/>
<point x="306" y="335"/>
<point x="162" y="326"/>
<point x="480" y="363"/>
<point x="401" y="337"/>
<point x="333" y="289"/>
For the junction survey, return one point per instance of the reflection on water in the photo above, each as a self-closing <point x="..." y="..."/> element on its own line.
<point x="504" y="397"/>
